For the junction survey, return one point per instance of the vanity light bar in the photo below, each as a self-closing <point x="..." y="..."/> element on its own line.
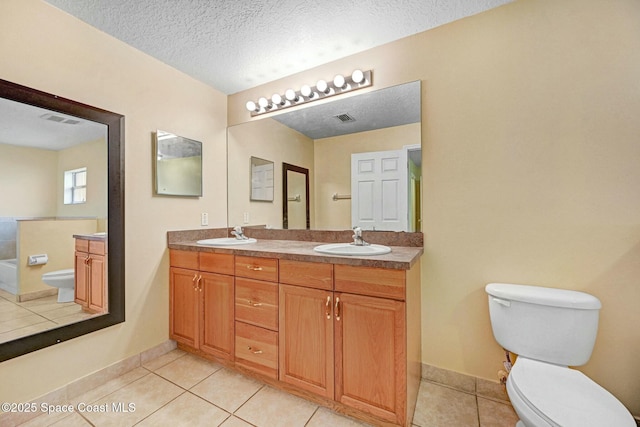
<point x="323" y="89"/>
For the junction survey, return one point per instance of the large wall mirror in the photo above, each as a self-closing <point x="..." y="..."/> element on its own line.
<point x="323" y="139"/>
<point x="61" y="174"/>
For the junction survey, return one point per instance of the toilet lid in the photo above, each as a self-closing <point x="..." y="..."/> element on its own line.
<point x="566" y="396"/>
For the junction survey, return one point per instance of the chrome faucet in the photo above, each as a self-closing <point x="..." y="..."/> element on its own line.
<point x="237" y="231"/>
<point x="357" y="237"/>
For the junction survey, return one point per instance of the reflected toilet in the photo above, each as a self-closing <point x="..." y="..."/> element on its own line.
<point x="64" y="280"/>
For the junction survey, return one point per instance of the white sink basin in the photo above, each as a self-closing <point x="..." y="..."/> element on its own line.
<point x="351" y="249"/>
<point x="225" y="241"/>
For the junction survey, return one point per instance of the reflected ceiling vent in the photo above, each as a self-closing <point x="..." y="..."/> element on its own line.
<point x="345" y="118"/>
<point x="59" y="119"/>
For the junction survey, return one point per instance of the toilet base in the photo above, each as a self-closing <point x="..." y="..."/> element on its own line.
<point x="66" y="295"/>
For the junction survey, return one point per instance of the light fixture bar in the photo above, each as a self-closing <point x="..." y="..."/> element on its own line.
<point x="321" y="90"/>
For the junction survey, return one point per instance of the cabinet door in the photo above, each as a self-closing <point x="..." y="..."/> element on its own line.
<point x="306" y="339"/>
<point x="81" y="285"/>
<point x="183" y="310"/>
<point x="97" y="295"/>
<point x="217" y="296"/>
<point x="370" y="355"/>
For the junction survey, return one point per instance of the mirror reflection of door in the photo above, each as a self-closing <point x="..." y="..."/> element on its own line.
<point x="295" y="189"/>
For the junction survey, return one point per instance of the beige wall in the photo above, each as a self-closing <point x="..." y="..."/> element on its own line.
<point x="268" y="140"/>
<point x="333" y="168"/>
<point x="27" y="181"/>
<point x="51" y="237"/>
<point x="93" y="156"/>
<point x="530" y="169"/>
<point x="44" y="48"/>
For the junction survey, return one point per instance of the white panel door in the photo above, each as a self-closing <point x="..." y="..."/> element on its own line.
<point x="379" y="190"/>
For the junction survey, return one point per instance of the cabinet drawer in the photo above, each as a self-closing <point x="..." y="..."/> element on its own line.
<point x="257" y="349"/>
<point x="377" y="282"/>
<point x="309" y="274"/>
<point x="82" y="245"/>
<point x="257" y="303"/>
<point x="257" y="268"/>
<point x="97" y="247"/>
<point x="183" y="259"/>
<point x="216" y="263"/>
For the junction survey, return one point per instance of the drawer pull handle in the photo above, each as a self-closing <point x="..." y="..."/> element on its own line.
<point x="254" y="268"/>
<point x="199" y="283"/>
<point x="337" y="309"/>
<point x="255" y="304"/>
<point x="327" y="308"/>
<point x="195" y="283"/>
<point x="254" y="351"/>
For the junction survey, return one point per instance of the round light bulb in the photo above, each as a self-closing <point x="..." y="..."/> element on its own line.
<point x="277" y="99"/>
<point x="263" y="102"/>
<point x="290" y="94"/>
<point x="339" y="82"/>
<point x="306" y="91"/>
<point x="357" y="76"/>
<point x="323" y="87"/>
<point x="251" y="106"/>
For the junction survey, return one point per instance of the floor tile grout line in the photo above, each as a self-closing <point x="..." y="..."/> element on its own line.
<point x="493" y="399"/>
<point x="312" y="415"/>
<point x="246" y="401"/>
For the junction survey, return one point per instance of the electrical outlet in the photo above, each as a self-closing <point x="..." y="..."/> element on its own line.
<point x="204" y="218"/>
<point x="246" y="217"/>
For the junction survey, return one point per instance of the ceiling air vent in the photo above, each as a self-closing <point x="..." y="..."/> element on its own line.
<point x="59" y="119"/>
<point x="345" y="118"/>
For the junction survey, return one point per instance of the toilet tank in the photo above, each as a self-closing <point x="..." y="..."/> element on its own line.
<point x="551" y="325"/>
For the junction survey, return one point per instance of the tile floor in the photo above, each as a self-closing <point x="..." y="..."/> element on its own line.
<point x="179" y="389"/>
<point x="18" y="319"/>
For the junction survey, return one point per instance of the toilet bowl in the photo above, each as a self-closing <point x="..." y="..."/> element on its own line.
<point x="550" y="330"/>
<point x="64" y="280"/>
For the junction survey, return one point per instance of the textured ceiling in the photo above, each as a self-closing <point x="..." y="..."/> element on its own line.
<point x="233" y="45"/>
<point x="29" y="126"/>
<point x="392" y="106"/>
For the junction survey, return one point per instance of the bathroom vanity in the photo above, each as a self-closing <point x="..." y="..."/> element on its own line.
<point x="343" y="331"/>
<point x="91" y="272"/>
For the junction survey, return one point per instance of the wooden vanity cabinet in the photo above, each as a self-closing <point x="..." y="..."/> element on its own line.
<point x="345" y="334"/>
<point x="201" y="301"/>
<point x="349" y="334"/>
<point x="256" y="314"/>
<point x="90" y="275"/>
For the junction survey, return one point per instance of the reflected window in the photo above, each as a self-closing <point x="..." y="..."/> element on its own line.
<point x="75" y="186"/>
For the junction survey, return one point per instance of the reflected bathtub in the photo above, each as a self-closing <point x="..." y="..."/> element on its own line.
<point x="9" y="275"/>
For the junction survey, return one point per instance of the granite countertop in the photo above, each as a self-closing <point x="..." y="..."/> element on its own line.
<point x="96" y="236"/>
<point x="400" y="257"/>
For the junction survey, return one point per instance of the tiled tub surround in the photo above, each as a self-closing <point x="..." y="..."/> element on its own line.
<point x="330" y="360"/>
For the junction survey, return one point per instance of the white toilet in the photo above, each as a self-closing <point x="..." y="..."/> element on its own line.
<point x="550" y="330"/>
<point x="64" y="280"/>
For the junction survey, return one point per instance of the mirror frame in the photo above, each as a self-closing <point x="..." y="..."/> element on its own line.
<point x="115" y="219"/>
<point x="286" y="167"/>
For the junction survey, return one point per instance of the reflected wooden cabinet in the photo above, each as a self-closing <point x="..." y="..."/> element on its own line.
<point x="201" y="302"/>
<point x="90" y="272"/>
